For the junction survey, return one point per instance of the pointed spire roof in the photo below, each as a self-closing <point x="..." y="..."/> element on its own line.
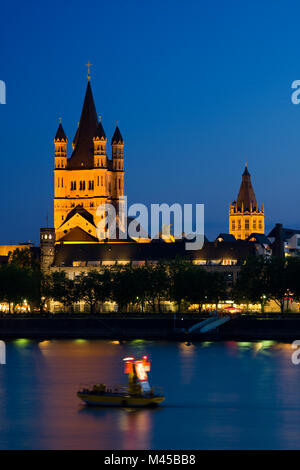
<point x="83" y="153"/>
<point x="76" y="137"/>
<point x="246" y="172"/>
<point x="60" y="134"/>
<point x="117" y="137"/>
<point x="100" y="131"/>
<point x="246" y="198"/>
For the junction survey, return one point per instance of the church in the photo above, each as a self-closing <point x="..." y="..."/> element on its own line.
<point x="88" y="178"/>
<point x="245" y="217"/>
<point x="91" y="176"/>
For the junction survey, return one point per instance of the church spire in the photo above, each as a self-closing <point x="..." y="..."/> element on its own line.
<point x="60" y="134"/>
<point x="83" y="154"/>
<point x="117" y="137"/>
<point x="246" y="197"/>
<point x="100" y="134"/>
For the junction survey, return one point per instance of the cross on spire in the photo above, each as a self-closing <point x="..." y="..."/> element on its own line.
<point x="88" y="65"/>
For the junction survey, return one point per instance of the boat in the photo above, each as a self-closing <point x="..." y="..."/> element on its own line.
<point x="138" y="393"/>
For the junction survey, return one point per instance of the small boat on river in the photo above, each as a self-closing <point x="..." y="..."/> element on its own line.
<point x="138" y="393"/>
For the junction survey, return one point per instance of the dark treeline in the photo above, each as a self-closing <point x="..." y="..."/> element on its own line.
<point x="143" y="288"/>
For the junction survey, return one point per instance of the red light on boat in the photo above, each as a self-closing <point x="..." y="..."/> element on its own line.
<point x="145" y="357"/>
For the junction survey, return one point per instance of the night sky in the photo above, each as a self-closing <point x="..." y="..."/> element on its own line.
<point x="198" y="88"/>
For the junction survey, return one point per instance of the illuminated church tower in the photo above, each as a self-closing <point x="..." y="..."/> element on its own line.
<point x="244" y="214"/>
<point x="88" y="178"/>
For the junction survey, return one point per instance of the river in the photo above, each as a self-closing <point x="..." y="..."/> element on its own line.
<point x="226" y="395"/>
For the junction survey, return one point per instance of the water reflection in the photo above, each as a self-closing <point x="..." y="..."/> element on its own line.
<point x="219" y="395"/>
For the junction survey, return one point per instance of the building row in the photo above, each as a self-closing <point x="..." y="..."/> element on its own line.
<point x="92" y="175"/>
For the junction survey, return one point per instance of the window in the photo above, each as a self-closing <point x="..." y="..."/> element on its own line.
<point x="239" y="224"/>
<point x="260" y="225"/>
<point x="119" y="183"/>
<point x="247" y="224"/>
<point x="101" y="180"/>
<point x="254" y="224"/>
<point x="98" y="181"/>
<point x="233" y="225"/>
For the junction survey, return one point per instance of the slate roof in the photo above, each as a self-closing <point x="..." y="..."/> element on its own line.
<point x="226" y="237"/>
<point x="78" y="235"/>
<point x="260" y="238"/>
<point x="117" y="137"/>
<point x="83" y="153"/>
<point x="79" y="210"/>
<point x="246" y="197"/>
<point x="287" y="233"/>
<point x="100" y="132"/>
<point x="60" y="134"/>
<point x="65" y="254"/>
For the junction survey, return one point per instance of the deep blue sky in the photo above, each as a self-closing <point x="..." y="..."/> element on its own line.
<point x="198" y="87"/>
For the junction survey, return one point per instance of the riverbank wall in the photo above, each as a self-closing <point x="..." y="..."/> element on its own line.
<point x="246" y="328"/>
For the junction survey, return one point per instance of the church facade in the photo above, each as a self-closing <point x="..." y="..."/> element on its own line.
<point x="89" y="177"/>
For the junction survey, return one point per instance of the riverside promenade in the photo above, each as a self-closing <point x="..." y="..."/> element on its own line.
<point x="280" y="327"/>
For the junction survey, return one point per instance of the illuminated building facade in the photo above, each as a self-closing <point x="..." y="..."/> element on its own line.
<point x="245" y="217"/>
<point x="89" y="177"/>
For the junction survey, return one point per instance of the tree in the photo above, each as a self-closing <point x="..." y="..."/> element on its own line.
<point x="277" y="280"/>
<point x="252" y="285"/>
<point x="156" y="286"/>
<point x="197" y="286"/>
<point x="216" y="288"/>
<point x="178" y="281"/>
<point x="124" y="287"/>
<point x="293" y="276"/>
<point x="14" y="284"/>
<point x="63" y="289"/>
<point x="23" y="258"/>
<point x="94" y="287"/>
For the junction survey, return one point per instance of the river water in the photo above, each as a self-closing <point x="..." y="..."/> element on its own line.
<point x="230" y="395"/>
